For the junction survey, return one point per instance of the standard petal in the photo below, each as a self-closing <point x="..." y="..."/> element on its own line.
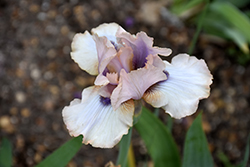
<point x="106" y="52"/>
<point x="84" y="52"/>
<point x="188" y="82"/>
<point x="99" y="124"/>
<point x="123" y="60"/>
<point x="142" y="47"/>
<point x="108" y="30"/>
<point x="134" y="84"/>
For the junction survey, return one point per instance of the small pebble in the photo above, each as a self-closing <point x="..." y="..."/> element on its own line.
<point x="20" y="97"/>
<point x="25" y="112"/>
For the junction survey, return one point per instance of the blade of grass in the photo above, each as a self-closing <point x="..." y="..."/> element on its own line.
<point x="63" y="154"/>
<point x="5" y="153"/>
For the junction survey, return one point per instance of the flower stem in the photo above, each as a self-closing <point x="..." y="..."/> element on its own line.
<point x="131" y="156"/>
<point x="124" y="149"/>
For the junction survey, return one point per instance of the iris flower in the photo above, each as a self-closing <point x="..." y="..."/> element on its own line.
<point x="128" y="69"/>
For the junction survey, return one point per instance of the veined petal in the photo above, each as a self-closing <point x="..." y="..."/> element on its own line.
<point x="99" y="124"/>
<point x="134" y="84"/>
<point x="188" y="82"/>
<point x="108" y="30"/>
<point x="84" y="52"/>
<point x="142" y="47"/>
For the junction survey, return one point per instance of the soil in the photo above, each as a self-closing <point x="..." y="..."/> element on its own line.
<point x="38" y="77"/>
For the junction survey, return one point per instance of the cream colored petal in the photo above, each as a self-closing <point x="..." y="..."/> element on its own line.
<point x="99" y="124"/>
<point x="84" y="52"/>
<point x="188" y="81"/>
<point x="108" y="30"/>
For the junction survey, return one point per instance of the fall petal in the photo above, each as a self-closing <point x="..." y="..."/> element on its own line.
<point x="99" y="124"/>
<point x="84" y="52"/>
<point x="188" y="82"/>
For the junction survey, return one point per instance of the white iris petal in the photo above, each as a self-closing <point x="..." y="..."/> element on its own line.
<point x="99" y="124"/>
<point x="187" y="83"/>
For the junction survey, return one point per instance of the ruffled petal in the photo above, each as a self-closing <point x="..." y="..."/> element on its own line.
<point x="113" y="78"/>
<point x="84" y="52"/>
<point x="142" y="47"/>
<point x="188" y="82"/>
<point x="99" y="124"/>
<point x="133" y="85"/>
<point x="108" y="30"/>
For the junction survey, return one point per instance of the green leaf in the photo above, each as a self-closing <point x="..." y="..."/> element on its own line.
<point x="196" y="152"/>
<point x="63" y="154"/>
<point x="234" y="16"/>
<point x="215" y="26"/>
<point x="238" y="3"/>
<point x="158" y="140"/>
<point x="5" y="153"/>
<point x="123" y="150"/>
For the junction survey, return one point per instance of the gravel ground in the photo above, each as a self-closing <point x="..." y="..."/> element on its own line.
<point x="38" y="77"/>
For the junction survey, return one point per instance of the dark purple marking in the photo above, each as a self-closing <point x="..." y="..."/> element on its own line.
<point x="105" y="71"/>
<point x="166" y="73"/>
<point x="140" y="52"/>
<point x="105" y="100"/>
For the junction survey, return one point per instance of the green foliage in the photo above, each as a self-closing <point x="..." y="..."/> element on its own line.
<point x="63" y="154"/>
<point x="224" y="19"/>
<point x="158" y="140"/>
<point x="5" y="153"/>
<point x="196" y="152"/>
<point x="235" y="22"/>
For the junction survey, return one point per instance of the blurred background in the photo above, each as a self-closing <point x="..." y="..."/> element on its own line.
<point x="38" y="77"/>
